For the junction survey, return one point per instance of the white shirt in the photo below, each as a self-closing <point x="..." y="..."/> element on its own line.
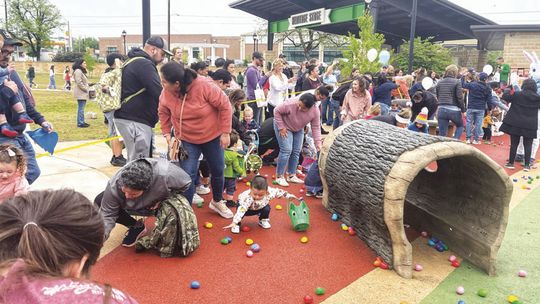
<point x="278" y="89"/>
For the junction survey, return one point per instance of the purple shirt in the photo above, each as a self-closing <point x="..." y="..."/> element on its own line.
<point x="17" y="287"/>
<point x="253" y="75"/>
<point x="287" y="115"/>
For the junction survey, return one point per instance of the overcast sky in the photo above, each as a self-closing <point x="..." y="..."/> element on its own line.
<point x="106" y="18"/>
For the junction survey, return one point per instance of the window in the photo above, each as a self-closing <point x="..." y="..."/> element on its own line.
<point x="112" y="50"/>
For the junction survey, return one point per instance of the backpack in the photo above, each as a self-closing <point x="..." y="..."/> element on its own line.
<point x="341" y="91"/>
<point x="176" y="232"/>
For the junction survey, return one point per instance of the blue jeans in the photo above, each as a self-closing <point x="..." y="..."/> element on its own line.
<point x="23" y="142"/>
<point x="444" y="116"/>
<point x="474" y="118"/>
<point x="257" y="112"/>
<point x="289" y="151"/>
<point x="336" y="108"/>
<point x="213" y="153"/>
<point x="52" y="83"/>
<point x="384" y="108"/>
<point x="327" y="112"/>
<point x="81" y="103"/>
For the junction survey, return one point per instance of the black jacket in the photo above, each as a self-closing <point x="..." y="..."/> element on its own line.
<point x="139" y="74"/>
<point x="522" y="118"/>
<point x="429" y="100"/>
<point x="449" y="92"/>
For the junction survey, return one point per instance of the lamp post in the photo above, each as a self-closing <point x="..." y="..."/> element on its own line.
<point x="125" y="46"/>
<point x="255" y="42"/>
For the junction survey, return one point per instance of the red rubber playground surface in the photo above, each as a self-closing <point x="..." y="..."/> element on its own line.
<point x="284" y="271"/>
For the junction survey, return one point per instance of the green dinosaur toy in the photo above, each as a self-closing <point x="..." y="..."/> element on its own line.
<point x="299" y="216"/>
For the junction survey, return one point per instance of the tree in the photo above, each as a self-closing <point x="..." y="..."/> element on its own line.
<point x="90" y="62"/>
<point x="308" y="39"/>
<point x="356" y="55"/>
<point x="429" y="55"/>
<point x="83" y="44"/>
<point x="33" y="22"/>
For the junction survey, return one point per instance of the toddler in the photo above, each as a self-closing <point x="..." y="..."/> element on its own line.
<point x="394" y="108"/>
<point x="255" y="201"/>
<point x="13" y="101"/>
<point x="233" y="168"/>
<point x="486" y="126"/>
<point x="12" y="170"/>
<point x="249" y="123"/>
<point x="374" y="110"/>
<point x="420" y="124"/>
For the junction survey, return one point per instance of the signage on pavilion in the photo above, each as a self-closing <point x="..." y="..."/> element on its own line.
<point x="318" y="16"/>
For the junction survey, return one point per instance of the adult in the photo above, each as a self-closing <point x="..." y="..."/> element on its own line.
<point x="52" y="81"/>
<point x="110" y="86"/>
<point x="286" y="68"/>
<point x="478" y="97"/>
<point x="240" y="79"/>
<point x="219" y="63"/>
<point x="31" y="74"/>
<point x="49" y="242"/>
<point x="80" y="90"/>
<point x="230" y="67"/>
<point x="17" y="87"/>
<point x="382" y="94"/>
<point x="312" y="79"/>
<point x="177" y="54"/>
<point x="338" y="96"/>
<point x="200" y="67"/>
<point x="279" y="86"/>
<point x="140" y="185"/>
<point x="400" y="120"/>
<point x="201" y="115"/>
<point x="268" y="141"/>
<point x="450" y="102"/>
<point x="290" y="119"/>
<point x="504" y="71"/>
<point x="357" y="101"/>
<point x="424" y="99"/>
<point x="222" y="78"/>
<point x="253" y="75"/>
<point x="327" y="110"/>
<point x="141" y="88"/>
<point x="522" y="120"/>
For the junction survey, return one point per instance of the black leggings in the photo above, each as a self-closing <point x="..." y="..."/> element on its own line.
<point x="204" y="168"/>
<point x="123" y="217"/>
<point x="527" y="146"/>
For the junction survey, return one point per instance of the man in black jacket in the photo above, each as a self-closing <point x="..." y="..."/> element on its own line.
<point x="17" y="87"/>
<point x="141" y="87"/>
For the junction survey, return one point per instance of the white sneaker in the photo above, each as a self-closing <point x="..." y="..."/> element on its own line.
<point x="197" y="199"/>
<point x="468" y="141"/>
<point x="476" y="142"/>
<point x="202" y="189"/>
<point x="282" y="182"/>
<point x="235" y="229"/>
<point x="221" y="208"/>
<point x="294" y="179"/>
<point x="265" y="223"/>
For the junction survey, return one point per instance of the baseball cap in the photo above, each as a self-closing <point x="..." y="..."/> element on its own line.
<point x="8" y="39"/>
<point x="257" y="55"/>
<point x="160" y="43"/>
<point x="482" y="76"/>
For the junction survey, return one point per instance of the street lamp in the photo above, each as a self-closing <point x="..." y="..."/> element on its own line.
<point x="255" y="42"/>
<point x="125" y="46"/>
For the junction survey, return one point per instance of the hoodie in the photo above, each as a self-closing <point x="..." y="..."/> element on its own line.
<point x="139" y="74"/>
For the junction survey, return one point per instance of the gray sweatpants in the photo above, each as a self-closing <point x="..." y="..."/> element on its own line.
<point x="137" y="138"/>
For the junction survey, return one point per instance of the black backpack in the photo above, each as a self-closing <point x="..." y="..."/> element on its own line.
<point x="339" y="93"/>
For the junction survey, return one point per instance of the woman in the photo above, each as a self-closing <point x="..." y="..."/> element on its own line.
<point x="229" y="67"/>
<point x="522" y="121"/>
<point x="312" y="80"/>
<point x="382" y="93"/>
<point x="200" y="67"/>
<point x="177" y="55"/>
<point x="222" y="79"/>
<point x="357" y="101"/>
<point x="202" y="117"/>
<point x="400" y="120"/>
<point x="80" y="90"/>
<point x="450" y="102"/>
<point x="290" y="119"/>
<point x="49" y="240"/>
<point x="279" y="86"/>
<point x="52" y="81"/>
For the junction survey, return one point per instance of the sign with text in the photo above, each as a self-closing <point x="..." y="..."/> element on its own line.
<point x="318" y="16"/>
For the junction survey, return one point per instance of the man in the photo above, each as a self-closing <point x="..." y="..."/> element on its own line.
<point x="253" y="75"/>
<point x="286" y="69"/>
<point x="504" y="71"/>
<point x="140" y="185"/>
<point x="141" y="87"/>
<point x="478" y="97"/>
<point x="17" y="87"/>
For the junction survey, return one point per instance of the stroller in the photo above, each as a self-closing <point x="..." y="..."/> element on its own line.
<point x="252" y="161"/>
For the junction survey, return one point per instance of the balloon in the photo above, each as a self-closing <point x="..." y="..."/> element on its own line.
<point x="384" y="56"/>
<point x="372" y="55"/>
<point x="427" y="83"/>
<point x="488" y="69"/>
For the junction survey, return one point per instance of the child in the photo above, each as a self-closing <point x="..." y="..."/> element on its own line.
<point x="233" y="168"/>
<point x="249" y="123"/>
<point x="256" y="201"/>
<point x="394" y="107"/>
<point x="420" y="124"/>
<point x="12" y="170"/>
<point x="374" y="110"/>
<point x="13" y="101"/>
<point x="486" y="126"/>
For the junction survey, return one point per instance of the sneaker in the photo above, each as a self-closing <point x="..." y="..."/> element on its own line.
<point x="282" y="182"/>
<point x="221" y="208"/>
<point x="231" y="203"/>
<point x="133" y="234"/>
<point x="319" y="194"/>
<point x="265" y="223"/>
<point x="8" y="131"/>
<point x="476" y="142"/>
<point x="24" y="118"/>
<point x="309" y="193"/>
<point x="235" y="229"/>
<point x="527" y="168"/>
<point x="119" y="161"/>
<point x="323" y="131"/>
<point x="202" y="189"/>
<point x="468" y="141"/>
<point x="509" y="165"/>
<point x="294" y="179"/>
<point x="519" y="157"/>
<point x="197" y="199"/>
<point x="83" y="125"/>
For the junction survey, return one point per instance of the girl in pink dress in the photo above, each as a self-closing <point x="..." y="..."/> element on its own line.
<point x="12" y="169"/>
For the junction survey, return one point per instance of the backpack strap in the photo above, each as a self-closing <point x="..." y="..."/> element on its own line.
<point x="127" y="99"/>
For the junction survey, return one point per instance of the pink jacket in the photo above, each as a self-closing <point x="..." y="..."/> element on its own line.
<point x="207" y="112"/>
<point x="287" y="115"/>
<point x="355" y="106"/>
<point x="15" y="185"/>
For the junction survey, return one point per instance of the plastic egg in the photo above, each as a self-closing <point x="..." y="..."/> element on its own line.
<point x="195" y="285"/>
<point x="460" y="290"/>
<point x="304" y="239"/>
<point x="249" y="241"/>
<point x="249" y="253"/>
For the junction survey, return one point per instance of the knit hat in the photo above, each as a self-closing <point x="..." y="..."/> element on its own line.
<point x="483" y="76"/>
<point x="422" y="117"/>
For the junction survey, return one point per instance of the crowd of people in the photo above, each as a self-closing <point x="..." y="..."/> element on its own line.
<point x="210" y="119"/>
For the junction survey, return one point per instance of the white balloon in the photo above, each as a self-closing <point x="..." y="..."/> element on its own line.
<point x="488" y="69"/>
<point x="372" y="55"/>
<point x="384" y="56"/>
<point x="427" y="83"/>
